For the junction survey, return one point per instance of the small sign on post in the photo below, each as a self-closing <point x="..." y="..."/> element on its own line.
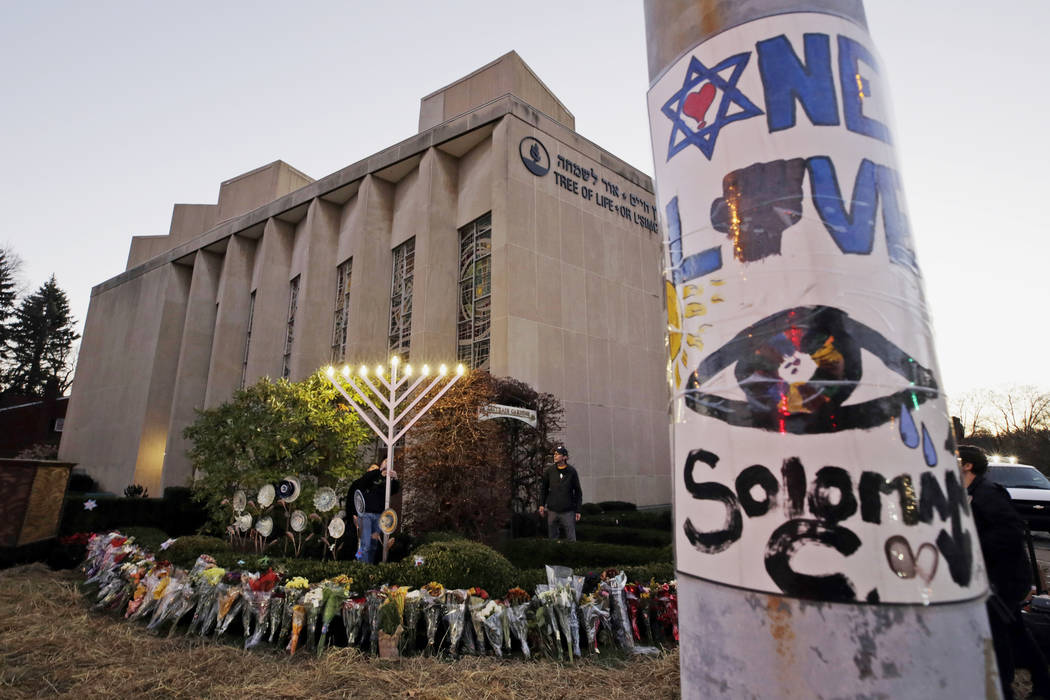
<point x="495" y="410"/>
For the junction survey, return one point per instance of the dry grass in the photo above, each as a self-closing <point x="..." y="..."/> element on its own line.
<point x="52" y="644"/>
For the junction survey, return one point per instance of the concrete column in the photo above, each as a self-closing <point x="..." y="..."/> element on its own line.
<point x="191" y="377"/>
<point x="153" y="440"/>
<point x="791" y="586"/>
<point x="437" y="264"/>
<point x="270" y="277"/>
<point x="318" y="236"/>
<point x="231" y="321"/>
<point x="369" y="314"/>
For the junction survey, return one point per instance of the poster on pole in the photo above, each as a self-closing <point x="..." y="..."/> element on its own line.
<point x="813" y="454"/>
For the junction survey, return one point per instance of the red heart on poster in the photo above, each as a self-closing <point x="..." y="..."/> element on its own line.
<point x="697" y="103"/>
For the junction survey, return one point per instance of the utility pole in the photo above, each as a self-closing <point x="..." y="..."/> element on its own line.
<point x="823" y="538"/>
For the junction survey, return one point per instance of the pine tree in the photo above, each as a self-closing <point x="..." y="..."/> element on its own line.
<point x="8" y="271"/>
<point x="41" y="341"/>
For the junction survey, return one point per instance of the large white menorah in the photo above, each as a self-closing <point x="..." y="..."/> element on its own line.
<point x="392" y="394"/>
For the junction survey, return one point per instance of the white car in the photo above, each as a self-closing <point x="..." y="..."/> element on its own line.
<point x="1029" y="489"/>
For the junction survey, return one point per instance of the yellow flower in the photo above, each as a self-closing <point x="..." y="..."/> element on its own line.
<point x="297" y="582"/>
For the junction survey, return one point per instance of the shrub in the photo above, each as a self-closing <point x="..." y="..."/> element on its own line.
<point x="637" y="537"/>
<point x="658" y="519"/>
<point x="533" y="553"/>
<point x="616" y="505"/>
<point x="460" y="564"/>
<point x="148" y="537"/>
<point x="175" y="516"/>
<point x="185" y="550"/>
<point x="79" y="482"/>
<point x="591" y="509"/>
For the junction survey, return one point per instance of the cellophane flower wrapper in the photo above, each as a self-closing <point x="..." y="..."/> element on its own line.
<point x="207" y="600"/>
<point x="455" y="617"/>
<point x="545" y="623"/>
<point x="332" y="599"/>
<point x="276" y="613"/>
<point x="476" y="604"/>
<point x="353" y="611"/>
<point x="373" y="599"/>
<point x="593" y="617"/>
<point x="413" y="609"/>
<point x="298" y="618"/>
<point x="433" y="595"/>
<point x="312" y="601"/>
<point x="630" y="595"/>
<point x="492" y="623"/>
<point x="565" y="614"/>
<point x="143" y="601"/>
<point x="515" y="616"/>
<point x="105" y="554"/>
<point x="294" y="590"/>
<point x="667" y="607"/>
<point x="620" y="624"/>
<point x="230" y="602"/>
<point x="258" y="596"/>
<point x="171" y="595"/>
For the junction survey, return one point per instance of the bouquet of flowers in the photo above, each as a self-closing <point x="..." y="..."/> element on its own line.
<point x="207" y="600"/>
<point x="477" y="599"/>
<point x="667" y="606"/>
<point x="298" y="616"/>
<point x="613" y="583"/>
<point x="545" y="622"/>
<point x="517" y="606"/>
<point x="373" y="599"/>
<point x="276" y="613"/>
<point x="631" y="591"/>
<point x="433" y="595"/>
<point x="455" y="615"/>
<point x="413" y="607"/>
<point x="595" y="609"/>
<point x="334" y="594"/>
<point x="294" y="590"/>
<point x="257" y="592"/>
<point x="172" y="594"/>
<point x="312" y="601"/>
<point x="491" y="616"/>
<point x="118" y="585"/>
<point x="570" y="587"/>
<point x="353" y="610"/>
<point x="149" y="592"/>
<point x="230" y="602"/>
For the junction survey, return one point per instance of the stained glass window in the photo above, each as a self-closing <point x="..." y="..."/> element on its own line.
<point x="401" y="298"/>
<point x="342" y="310"/>
<point x="293" y="302"/>
<point x="475" y="293"/>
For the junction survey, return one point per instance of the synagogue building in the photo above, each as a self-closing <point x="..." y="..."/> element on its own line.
<point x="496" y="236"/>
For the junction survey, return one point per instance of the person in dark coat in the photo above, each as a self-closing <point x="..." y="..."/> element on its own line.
<point x="1001" y="532"/>
<point x="372" y="487"/>
<point x="561" y="496"/>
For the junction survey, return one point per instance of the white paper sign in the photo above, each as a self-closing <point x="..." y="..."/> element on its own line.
<point x="813" y="454"/>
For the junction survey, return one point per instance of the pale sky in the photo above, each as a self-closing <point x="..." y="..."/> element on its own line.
<point x="114" y="111"/>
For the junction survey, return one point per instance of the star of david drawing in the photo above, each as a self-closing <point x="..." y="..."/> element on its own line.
<point x="696" y="104"/>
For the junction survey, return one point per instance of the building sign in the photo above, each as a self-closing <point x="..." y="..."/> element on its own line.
<point x="585" y="183"/>
<point x="813" y="454"/>
<point x="495" y="410"/>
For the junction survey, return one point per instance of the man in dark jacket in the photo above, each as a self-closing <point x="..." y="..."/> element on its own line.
<point x="561" y="496"/>
<point x="371" y="486"/>
<point x="1001" y="532"/>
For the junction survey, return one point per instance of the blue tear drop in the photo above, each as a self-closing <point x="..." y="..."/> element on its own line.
<point x="929" y="452"/>
<point x="909" y="435"/>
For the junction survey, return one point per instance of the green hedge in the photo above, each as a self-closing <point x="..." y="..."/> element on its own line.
<point x="176" y="514"/>
<point x="634" y="536"/>
<point x="535" y="553"/>
<point x="659" y="519"/>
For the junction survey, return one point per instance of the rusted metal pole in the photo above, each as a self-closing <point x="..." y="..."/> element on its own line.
<point x="823" y="539"/>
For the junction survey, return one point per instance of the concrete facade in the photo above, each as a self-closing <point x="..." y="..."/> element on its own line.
<point x="575" y="303"/>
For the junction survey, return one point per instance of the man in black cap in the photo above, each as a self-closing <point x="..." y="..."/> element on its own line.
<point x="561" y="496"/>
<point x="1001" y="532"/>
<point x="372" y="489"/>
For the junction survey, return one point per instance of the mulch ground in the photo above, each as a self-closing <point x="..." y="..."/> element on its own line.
<point x="52" y="644"/>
